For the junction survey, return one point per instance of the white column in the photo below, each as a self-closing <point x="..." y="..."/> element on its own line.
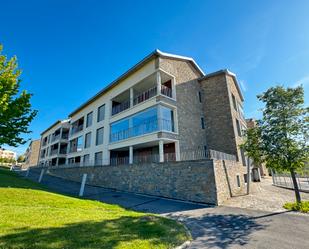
<point x="131" y="155"/>
<point x="158" y="77"/>
<point x="177" y="151"/>
<point x="131" y="96"/>
<point x="82" y="185"/>
<point x="161" y="151"/>
<point x="106" y="136"/>
<point x="173" y="88"/>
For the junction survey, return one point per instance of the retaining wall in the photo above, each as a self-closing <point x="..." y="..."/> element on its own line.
<point x="199" y="181"/>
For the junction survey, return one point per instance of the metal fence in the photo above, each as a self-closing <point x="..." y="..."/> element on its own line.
<point x="188" y="155"/>
<point x="285" y="180"/>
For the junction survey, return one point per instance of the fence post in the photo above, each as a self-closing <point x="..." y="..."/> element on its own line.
<point x="27" y="173"/>
<point x="82" y="186"/>
<point x="41" y="175"/>
<point x="273" y="177"/>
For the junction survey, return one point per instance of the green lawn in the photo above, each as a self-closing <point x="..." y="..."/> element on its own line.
<point x="302" y="207"/>
<point x="33" y="217"/>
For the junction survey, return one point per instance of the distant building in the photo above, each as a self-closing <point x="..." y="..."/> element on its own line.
<point x="32" y="153"/>
<point x="7" y="154"/>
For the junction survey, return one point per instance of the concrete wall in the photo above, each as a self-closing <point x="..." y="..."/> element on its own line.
<point x="198" y="181"/>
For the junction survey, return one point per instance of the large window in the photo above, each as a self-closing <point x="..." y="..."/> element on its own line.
<point x="98" y="158"/>
<point x="89" y="119"/>
<point x="88" y="140"/>
<point x="142" y="123"/>
<point x="101" y="113"/>
<point x="167" y="119"/>
<point x="99" y="136"/>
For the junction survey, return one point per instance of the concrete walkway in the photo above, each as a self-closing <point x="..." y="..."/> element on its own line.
<point x="211" y="227"/>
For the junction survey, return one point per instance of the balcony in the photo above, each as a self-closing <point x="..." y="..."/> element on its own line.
<point x="141" y="92"/>
<point x="147" y="126"/>
<point x="77" y="126"/>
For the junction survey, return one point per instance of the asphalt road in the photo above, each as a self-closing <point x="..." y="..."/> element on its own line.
<point x="211" y="227"/>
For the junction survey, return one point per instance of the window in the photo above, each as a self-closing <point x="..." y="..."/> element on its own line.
<point x="86" y="159"/>
<point x="202" y="123"/>
<point x="88" y="140"/>
<point x="76" y="144"/>
<point x="77" y="126"/>
<point x="99" y="136"/>
<point x="167" y="116"/>
<point x="241" y="111"/>
<point x="245" y="178"/>
<point x="98" y="158"/>
<point x="234" y="102"/>
<point x="101" y="113"/>
<point x="243" y="157"/>
<point x="238" y="128"/>
<point x="238" y="181"/>
<point x="89" y="119"/>
<point x="200" y="96"/>
<point x="80" y="143"/>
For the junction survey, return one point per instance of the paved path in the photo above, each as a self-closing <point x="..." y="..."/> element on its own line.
<point x="265" y="197"/>
<point x="211" y="227"/>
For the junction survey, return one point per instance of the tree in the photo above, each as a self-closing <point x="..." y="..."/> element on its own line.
<point x="281" y="136"/>
<point x="253" y="145"/>
<point x="15" y="108"/>
<point x="21" y="158"/>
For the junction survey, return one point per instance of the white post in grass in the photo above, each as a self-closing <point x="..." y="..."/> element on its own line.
<point x="41" y="175"/>
<point x="27" y="173"/>
<point x="82" y="186"/>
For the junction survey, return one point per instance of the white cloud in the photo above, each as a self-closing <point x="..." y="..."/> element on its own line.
<point x="303" y="81"/>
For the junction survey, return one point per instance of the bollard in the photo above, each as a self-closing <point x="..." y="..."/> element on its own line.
<point x="41" y="175"/>
<point x="27" y="173"/>
<point x="82" y="186"/>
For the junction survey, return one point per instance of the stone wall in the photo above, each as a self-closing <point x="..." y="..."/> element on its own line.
<point x="199" y="181"/>
<point x="189" y="109"/>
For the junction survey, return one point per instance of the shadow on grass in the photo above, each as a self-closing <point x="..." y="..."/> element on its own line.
<point x="222" y="230"/>
<point x="105" y="234"/>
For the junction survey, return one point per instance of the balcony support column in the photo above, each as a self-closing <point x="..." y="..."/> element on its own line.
<point x="177" y="151"/>
<point x="131" y="96"/>
<point x="131" y="155"/>
<point x="161" y="151"/>
<point x="158" y="77"/>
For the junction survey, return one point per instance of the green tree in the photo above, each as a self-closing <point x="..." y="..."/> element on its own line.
<point x="15" y="108"/>
<point x="281" y="136"/>
<point x="253" y="145"/>
<point x="21" y="159"/>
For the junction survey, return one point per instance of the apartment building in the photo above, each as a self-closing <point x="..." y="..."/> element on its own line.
<point x="54" y="144"/>
<point x="8" y="154"/>
<point x="163" y="106"/>
<point x="32" y="153"/>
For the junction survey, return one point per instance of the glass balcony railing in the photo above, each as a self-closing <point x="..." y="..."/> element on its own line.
<point x="147" y="126"/>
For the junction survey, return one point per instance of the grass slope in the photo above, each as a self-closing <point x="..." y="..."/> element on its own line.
<point x="32" y="217"/>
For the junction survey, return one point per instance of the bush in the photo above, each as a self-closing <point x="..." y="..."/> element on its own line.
<point x="302" y="207"/>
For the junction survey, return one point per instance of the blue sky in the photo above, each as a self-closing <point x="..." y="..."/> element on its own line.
<point x="70" y="49"/>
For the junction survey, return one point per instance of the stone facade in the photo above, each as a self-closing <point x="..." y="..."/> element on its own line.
<point x="189" y="108"/>
<point x="32" y="153"/>
<point x="202" y="181"/>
